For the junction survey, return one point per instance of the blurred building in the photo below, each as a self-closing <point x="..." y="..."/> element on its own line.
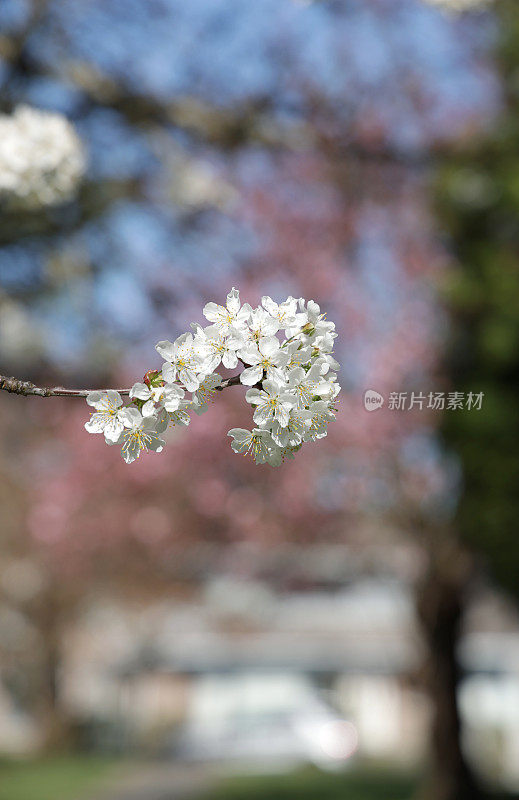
<point x="139" y="677"/>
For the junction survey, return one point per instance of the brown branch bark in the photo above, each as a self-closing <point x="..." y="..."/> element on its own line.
<point x="440" y="604"/>
<point x="26" y="388"/>
<point x="233" y="381"/>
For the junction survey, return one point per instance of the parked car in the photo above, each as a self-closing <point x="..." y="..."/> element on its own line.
<point x="264" y="721"/>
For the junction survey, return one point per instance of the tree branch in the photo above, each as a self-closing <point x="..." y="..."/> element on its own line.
<point x="233" y="381"/>
<point x="26" y="388"/>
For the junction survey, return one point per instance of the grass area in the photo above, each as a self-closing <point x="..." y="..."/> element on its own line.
<point x="57" y="778"/>
<point x="310" y="784"/>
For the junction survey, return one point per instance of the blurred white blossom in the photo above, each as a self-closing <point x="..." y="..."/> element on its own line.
<point x="41" y="158"/>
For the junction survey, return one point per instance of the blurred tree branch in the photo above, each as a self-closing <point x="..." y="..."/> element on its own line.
<point x="13" y="48"/>
<point x="93" y="199"/>
<point x="253" y="121"/>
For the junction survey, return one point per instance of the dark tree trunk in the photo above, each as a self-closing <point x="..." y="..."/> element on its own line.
<point x="54" y="719"/>
<point x="440" y="603"/>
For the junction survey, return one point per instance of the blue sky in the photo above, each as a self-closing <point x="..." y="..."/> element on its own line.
<point x="359" y="57"/>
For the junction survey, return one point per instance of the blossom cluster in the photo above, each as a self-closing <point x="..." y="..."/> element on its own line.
<point x="288" y="370"/>
<point x="41" y="158"/>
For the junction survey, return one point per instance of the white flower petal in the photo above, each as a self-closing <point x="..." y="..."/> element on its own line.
<point x="255" y="396"/>
<point x="213" y="312"/>
<point x="268" y="345"/>
<point x="263" y="414"/>
<point x="148" y="409"/>
<point x="229" y="360"/>
<point x="130" y="449"/>
<point x="250" y="354"/>
<point x="94" y="398"/>
<point x="280" y="359"/>
<point x="269" y="305"/>
<point x="166" y="349"/>
<point x="212" y="362"/>
<point x="271" y="387"/>
<point x="154" y="442"/>
<point x="96" y="423"/>
<point x="130" y="417"/>
<point x="275" y="374"/>
<point x="189" y="379"/>
<point x="172" y="403"/>
<point x="140" y="390"/>
<point x="243" y="315"/>
<point x="113" y="430"/>
<point x="240" y="434"/>
<point x="251" y="375"/>
<point x="169" y="372"/>
<point x="162" y="421"/>
<point x="282" y="415"/>
<point x="114" y="398"/>
<point x="233" y="301"/>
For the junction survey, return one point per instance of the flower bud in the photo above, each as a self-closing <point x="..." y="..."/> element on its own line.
<point x="309" y="329"/>
<point x="153" y="378"/>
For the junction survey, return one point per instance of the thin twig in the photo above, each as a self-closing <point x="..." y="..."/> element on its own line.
<point x="17" y="386"/>
<point x="233" y="381"/>
<point x="26" y="388"/>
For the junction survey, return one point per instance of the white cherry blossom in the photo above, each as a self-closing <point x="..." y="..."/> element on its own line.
<point x="181" y="415"/>
<point x="233" y="314"/>
<point x="325" y="361"/>
<point x="285" y="313"/>
<point x="206" y="390"/>
<point x="258" y="443"/>
<point x="320" y="415"/>
<point x="106" y="418"/>
<point x="167" y="396"/>
<point x="266" y="356"/>
<point x="298" y="354"/>
<point x="215" y="347"/>
<point x="307" y="385"/>
<point x="272" y="402"/>
<point x="183" y="362"/>
<point x="162" y="420"/>
<point x="139" y="434"/>
<point x="291" y="434"/>
<point x="261" y="324"/>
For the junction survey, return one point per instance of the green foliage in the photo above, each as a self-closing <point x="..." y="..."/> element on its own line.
<point x="478" y="204"/>
<point x="310" y="784"/>
<point x="59" y="778"/>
